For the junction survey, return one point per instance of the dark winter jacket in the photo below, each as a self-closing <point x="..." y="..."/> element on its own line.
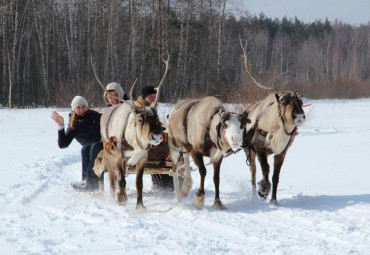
<point x="86" y="131"/>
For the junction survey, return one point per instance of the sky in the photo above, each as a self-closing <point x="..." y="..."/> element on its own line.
<point x="354" y="12"/>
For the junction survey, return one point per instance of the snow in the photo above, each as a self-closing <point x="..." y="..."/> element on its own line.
<point x="324" y="196"/>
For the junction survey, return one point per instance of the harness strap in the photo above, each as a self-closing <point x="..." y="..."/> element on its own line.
<point x="291" y="139"/>
<point x="141" y="145"/>
<point x="185" y="120"/>
<point x="109" y="117"/>
<point x="291" y="133"/>
<point x="218" y="130"/>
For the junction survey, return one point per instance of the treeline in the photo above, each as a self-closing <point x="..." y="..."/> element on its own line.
<point x="45" y="49"/>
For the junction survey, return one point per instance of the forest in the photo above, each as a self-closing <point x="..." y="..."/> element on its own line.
<point x="46" y="48"/>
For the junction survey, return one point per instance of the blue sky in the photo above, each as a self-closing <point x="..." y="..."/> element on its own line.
<point x="354" y="12"/>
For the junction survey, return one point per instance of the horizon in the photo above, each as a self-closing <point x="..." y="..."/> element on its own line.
<point x="354" y="12"/>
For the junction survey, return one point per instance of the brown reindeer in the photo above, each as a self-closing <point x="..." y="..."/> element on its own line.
<point x="275" y="120"/>
<point x="128" y="131"/>
<point x="203" y="128"/>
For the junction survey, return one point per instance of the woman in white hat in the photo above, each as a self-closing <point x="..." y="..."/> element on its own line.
<point x="84" y="126"/>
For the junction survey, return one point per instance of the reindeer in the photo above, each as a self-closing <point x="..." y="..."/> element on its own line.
<point x="203" y="128"/>
<point x="128" y="131"/>
<point x="274" y="126"/>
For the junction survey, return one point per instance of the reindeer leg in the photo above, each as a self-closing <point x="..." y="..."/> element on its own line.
<point x="216" y="179"/>
<point x="200" y="195"/>
<point x="121" y="195"/>
<point x="278" y="162"/>
<point x="175" y="156"/>
<point x="251" y="155"/>
<point x="139" y="184"/>
<point x="188" y="182"/>
<point x="101" y="182"/>
<point x="112" y="180"/>
<point x="264" y="184"/>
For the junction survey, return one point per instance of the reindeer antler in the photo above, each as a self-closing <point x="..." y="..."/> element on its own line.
<point x="131" y="96"/>
<point x="100" y="82"/>
<point x="246" y="68"/>
<point x="166" y="62"/>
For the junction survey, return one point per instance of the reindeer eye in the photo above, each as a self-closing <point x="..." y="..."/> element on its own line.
<point x="286" y="102"/>
<point x="140" y="120"/>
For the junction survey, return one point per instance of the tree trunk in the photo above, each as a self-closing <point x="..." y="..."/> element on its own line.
<point x="12" y="55"/>
<point x="179" y="73"/>
<point x="44" y="65"/>
<point x="10" y="79"/>
<point x="219" y="41"/>
<point x="132" y="42"/>
<point x="159" y="35"/>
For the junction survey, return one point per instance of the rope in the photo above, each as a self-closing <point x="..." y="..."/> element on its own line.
<point x="227" y="154"/>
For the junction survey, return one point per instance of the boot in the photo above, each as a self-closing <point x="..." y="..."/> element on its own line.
<point x="84" y="186"/>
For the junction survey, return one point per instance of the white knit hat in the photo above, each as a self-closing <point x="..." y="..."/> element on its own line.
<point x="77" y="100"/>
<point x="114" y="86"/>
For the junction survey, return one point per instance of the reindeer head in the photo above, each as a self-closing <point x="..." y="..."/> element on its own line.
<point x="148" y="127"/>
<point x="231" y="126"/>
<point x="289" y="103"/>
<point x="290" y="107"/>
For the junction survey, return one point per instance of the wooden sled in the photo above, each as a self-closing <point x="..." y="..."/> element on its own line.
<point x="154" y="167"/>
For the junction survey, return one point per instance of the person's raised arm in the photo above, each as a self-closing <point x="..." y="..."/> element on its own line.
<point x="58" y="119"/>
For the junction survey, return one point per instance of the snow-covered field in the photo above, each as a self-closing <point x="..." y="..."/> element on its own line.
<point x="324" y="196"/>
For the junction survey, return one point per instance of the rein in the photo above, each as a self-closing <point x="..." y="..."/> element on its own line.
<point x="218" y="129"/>
<point x="110" y="116"/>
<point x="138" y="141"/>
<point x="283" y="121"/>
<point x="291" y="133"/>
<point x="141" y="145"/>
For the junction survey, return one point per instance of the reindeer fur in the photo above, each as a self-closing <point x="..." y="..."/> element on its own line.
<point x="202" y="128"/>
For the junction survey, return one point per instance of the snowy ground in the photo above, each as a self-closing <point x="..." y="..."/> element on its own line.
<point x="324" y="196"/>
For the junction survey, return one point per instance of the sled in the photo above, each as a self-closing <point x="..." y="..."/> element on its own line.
<point x="154" y="167"/>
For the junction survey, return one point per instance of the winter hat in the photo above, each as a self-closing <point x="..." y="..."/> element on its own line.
<point x="114" y="86"/>
<point x="77" y="100"/>
<point x="148" y="90"/>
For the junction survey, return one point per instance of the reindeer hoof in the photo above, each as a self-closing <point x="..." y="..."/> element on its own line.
<point x="140" y="208"/>
<point x="262" y="195"/>
<point x="198" y="201"/>
<point x="264" y="189"/>
<point x="219" y="205"/>
<point x="274" y="202"/>
<point x="121" y="198"/>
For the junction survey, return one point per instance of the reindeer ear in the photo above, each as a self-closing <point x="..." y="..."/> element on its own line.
<point x="225" y="116"/>
<point x="299" y="95"/>
<point x="243" y="118"/>
<point x="277" y="96"/>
